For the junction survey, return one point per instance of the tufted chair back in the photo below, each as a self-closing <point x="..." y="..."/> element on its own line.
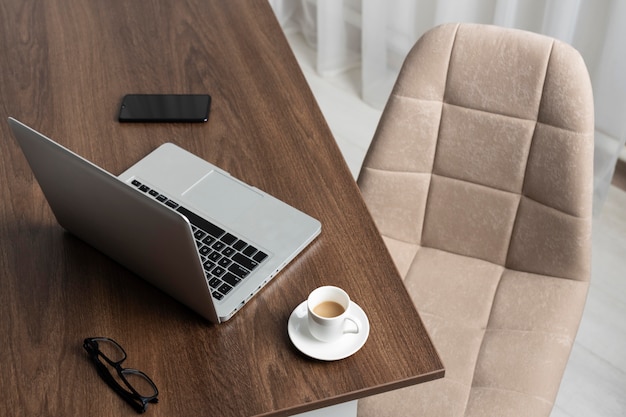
<point x="479" y="179"/>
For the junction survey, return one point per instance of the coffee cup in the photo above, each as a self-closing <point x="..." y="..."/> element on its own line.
<point x="329" y="314"/>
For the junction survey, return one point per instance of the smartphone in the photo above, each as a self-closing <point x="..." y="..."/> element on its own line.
<point x="157" y="108"/>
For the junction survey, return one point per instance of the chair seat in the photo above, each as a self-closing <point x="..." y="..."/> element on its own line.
<point x="501" y="334"/>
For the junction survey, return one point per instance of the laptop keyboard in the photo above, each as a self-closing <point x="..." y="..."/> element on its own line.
<point x="226" y="259"/>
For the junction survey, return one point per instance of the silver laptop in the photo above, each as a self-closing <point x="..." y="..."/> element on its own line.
<point x="181" y="223"/>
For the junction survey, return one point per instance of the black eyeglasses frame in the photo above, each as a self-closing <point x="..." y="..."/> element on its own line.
<point x="128" y="393"/>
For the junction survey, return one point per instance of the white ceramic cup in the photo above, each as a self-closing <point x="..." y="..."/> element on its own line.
<point x="329" y="314"/>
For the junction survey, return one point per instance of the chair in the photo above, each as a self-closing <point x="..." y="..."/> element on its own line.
<point x="479" y="178"/>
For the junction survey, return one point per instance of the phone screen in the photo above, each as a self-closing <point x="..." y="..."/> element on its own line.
<point x="165" y="108"/>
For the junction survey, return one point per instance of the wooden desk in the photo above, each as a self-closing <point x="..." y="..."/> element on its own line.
<point x="65" y="67"/>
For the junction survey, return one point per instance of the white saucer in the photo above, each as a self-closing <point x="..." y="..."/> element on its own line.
<point x="347" y="345"/>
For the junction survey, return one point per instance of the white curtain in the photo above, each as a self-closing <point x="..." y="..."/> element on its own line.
<point x="376" y="35"/>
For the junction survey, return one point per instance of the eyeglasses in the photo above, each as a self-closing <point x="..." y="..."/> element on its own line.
<point x="135" y="387"/>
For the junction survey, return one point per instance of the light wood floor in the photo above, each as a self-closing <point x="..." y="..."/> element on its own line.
<point x="595" y="379"/>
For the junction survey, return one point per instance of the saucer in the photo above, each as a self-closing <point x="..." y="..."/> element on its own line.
<point x="345" y="346"/>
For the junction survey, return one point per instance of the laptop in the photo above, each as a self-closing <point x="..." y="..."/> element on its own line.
<point x="188" y="227"/>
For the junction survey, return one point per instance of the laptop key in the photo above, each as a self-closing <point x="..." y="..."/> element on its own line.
<point x="214" y="282"/>
<point x="238" y="270"/>
<point x="199" y="234"/>
<point x="231" y="279"/>
<point x="218" y="271"/>
<point x="259" y="256"/>
<point x="219" y="245"/>
<point x="244" y="261"/>
<point x="218" y="296"/>
<point x="225" y="289"/>
<point x="204" y="250"/>
<point x="249" y="251"/>
<point x="239" y="245"/>
<point x="208" y="265"/>
<point x="228" y="239"/>
<point x="224" y="262"/>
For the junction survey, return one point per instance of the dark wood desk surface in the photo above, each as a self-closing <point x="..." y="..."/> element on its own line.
<point x="64" y="69"/>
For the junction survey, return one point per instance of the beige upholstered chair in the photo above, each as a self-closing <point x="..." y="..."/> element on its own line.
<point x="479" y="179"/>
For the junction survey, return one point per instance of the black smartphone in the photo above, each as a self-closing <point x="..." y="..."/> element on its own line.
<point x="155" y="108"/>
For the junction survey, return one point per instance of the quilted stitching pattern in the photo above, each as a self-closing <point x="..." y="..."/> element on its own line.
<point x="479" y="178"/>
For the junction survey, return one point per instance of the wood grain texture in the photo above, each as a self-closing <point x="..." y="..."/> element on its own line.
<point x="65" y="67"/>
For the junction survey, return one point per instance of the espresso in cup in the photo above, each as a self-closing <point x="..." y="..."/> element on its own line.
<point x="329" y="314"/>
<point x="329" y="309"/>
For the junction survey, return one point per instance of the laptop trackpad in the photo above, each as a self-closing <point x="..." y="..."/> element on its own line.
<point x="220" y="196"/>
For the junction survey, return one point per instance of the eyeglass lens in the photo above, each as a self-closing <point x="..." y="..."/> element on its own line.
<point x="140" y="382"/>
<point x="111" y="350"/>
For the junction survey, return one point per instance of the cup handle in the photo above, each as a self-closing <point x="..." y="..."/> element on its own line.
<point x="351" y="325"/>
